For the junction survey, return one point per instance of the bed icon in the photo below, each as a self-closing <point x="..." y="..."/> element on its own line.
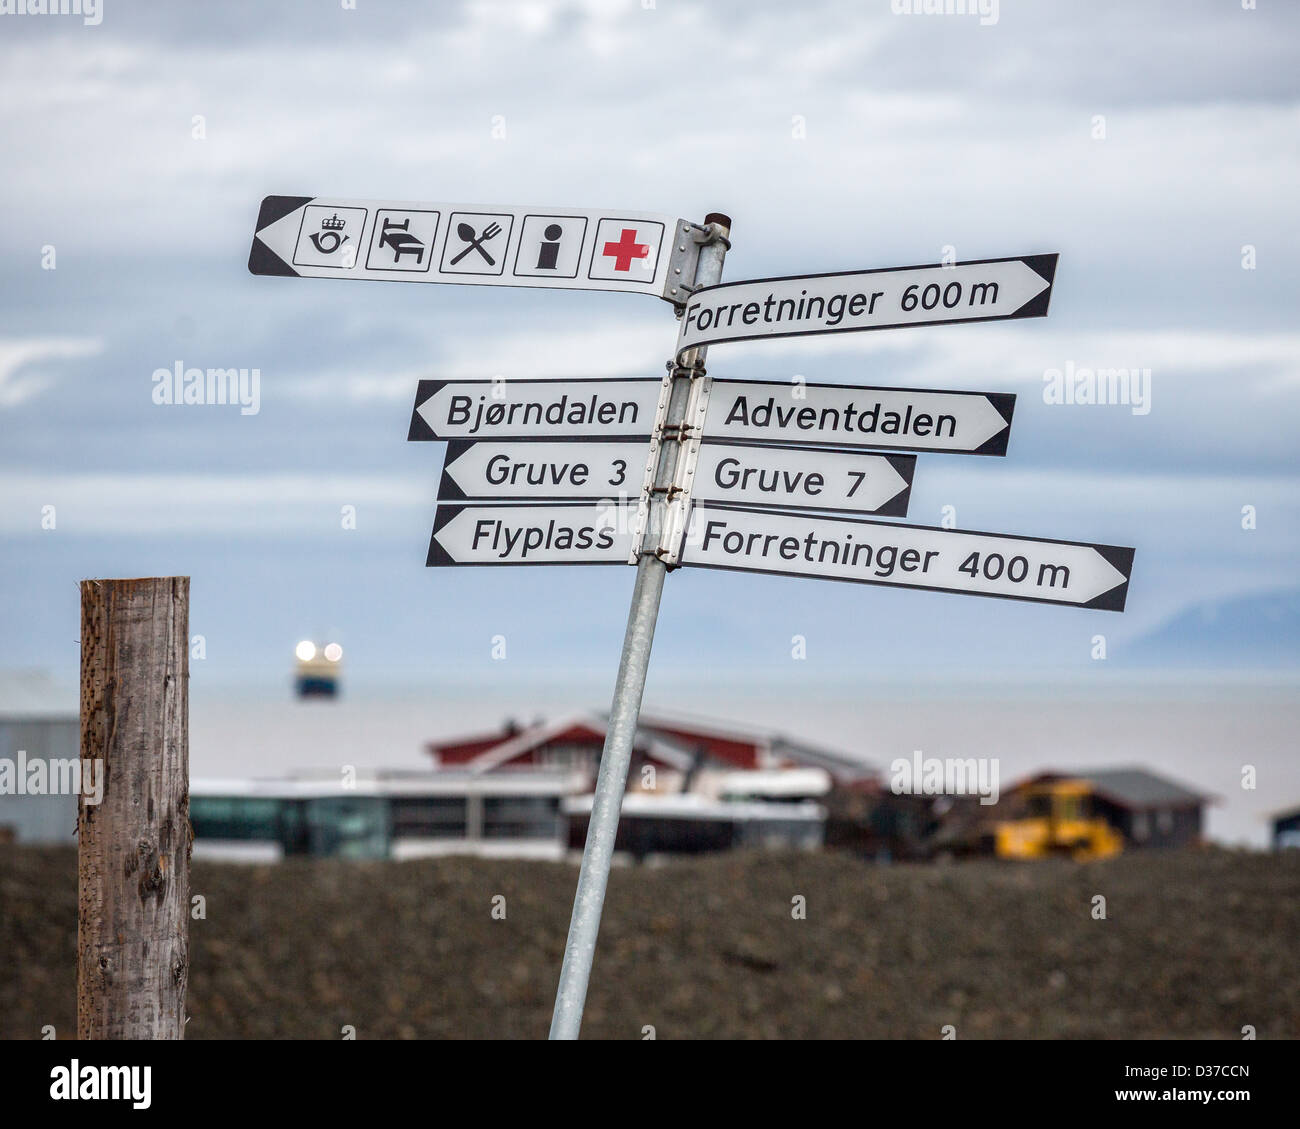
<point x="398" y="236"/>
<point x="403" y="240"/>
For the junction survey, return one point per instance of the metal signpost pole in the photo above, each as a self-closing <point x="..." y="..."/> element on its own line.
<point x="611" y="780"/>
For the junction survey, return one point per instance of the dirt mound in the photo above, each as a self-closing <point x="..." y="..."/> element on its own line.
<point x="1195" y="944"/>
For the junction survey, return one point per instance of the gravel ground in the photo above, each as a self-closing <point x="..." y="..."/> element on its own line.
<point x="1195" y="944"/>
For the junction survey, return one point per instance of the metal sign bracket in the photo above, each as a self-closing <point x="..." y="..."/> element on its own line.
<point x="683" y="260"/>
<point x="642" y="521"/>
<point x="689" y="434"/>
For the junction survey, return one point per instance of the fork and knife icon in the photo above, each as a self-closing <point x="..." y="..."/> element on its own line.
<point x="466" y="232"/>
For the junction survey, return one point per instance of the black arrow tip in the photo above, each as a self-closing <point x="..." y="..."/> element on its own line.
<point x="1044" y="265"/>
<point x="438" y="556"/>
<point x="261" y="259"/>
<point x="419" y="430"/>
<point x="1121" y="560"/>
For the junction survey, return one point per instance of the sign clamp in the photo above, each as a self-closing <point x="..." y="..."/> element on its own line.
<point x="675" y="493"/>
<point x="642" y="521"/>
<point x="683" y="261"/>
<point x="690" y="433"/>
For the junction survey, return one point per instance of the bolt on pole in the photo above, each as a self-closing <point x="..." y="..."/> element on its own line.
<point x="625" y="710"/>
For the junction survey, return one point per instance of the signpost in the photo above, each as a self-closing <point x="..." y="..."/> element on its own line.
<point x="541" y="470"/>
<point x="594" y="533"/>
<point x="981" y="290"/>
<point x="909" y="556"/>
<point x="850" y="415"/>
<point x="743" y="475"/>
<point x="473" y="244"/>
<point x="725" y="472"/>
<point x="804" y="480"/>
<point x="534" y="409"/>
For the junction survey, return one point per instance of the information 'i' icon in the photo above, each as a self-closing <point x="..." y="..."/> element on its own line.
<point x="549" y="251"/>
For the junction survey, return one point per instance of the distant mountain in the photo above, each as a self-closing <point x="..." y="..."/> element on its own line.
<point x="1258" y="631"/>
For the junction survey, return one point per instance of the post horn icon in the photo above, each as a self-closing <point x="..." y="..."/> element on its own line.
<point x="329" y="234"/>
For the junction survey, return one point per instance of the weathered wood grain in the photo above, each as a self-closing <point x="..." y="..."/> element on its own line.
<point x="134" y="846"/>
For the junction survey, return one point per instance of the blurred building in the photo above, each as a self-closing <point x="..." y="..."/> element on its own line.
<point x="1086" y="814"/>
<point x="39" y="721"/>
<point x="1148" y="810"/>
<point x="1286" y="830"/>
<point x="381" y="814"/>
<point x="526" y="791"/>
<point x="692" y="787"/>
<point x="686" y="755"/>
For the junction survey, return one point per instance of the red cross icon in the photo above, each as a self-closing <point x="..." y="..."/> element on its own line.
<point x="626" y="249"/>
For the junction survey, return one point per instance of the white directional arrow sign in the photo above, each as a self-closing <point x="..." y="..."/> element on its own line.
<point x="542" y="471"/>
<point x="591" y="533"/>
<point x="534" y="409"/>
<point x="756" y="474"/>
<point x="727" y="472"/>
<point x="471" y="244"/>
<point x="981" y="290"/>
<point x="843" y="415"/>
<point x="909" y="556"/>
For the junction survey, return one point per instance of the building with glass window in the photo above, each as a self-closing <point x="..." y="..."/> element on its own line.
<point x="693" y="786"/>
<point x="381" y="815"/>
<point x="526" y="792"/>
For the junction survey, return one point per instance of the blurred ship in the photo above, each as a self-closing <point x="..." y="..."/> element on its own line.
<point x="317" y="670"/>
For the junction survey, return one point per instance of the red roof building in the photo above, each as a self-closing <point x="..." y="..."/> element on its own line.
<point x="686" y="750"/>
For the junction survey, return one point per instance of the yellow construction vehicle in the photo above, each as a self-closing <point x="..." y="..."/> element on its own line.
<point x="1058" y="821"/>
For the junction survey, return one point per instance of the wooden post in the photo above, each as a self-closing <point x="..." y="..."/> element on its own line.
<point x="134" y="846"/>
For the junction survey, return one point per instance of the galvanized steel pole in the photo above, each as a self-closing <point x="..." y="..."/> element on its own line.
<point x="611" y="780"/>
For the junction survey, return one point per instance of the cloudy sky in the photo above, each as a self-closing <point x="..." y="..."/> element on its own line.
<point x="1149" y="144"/>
